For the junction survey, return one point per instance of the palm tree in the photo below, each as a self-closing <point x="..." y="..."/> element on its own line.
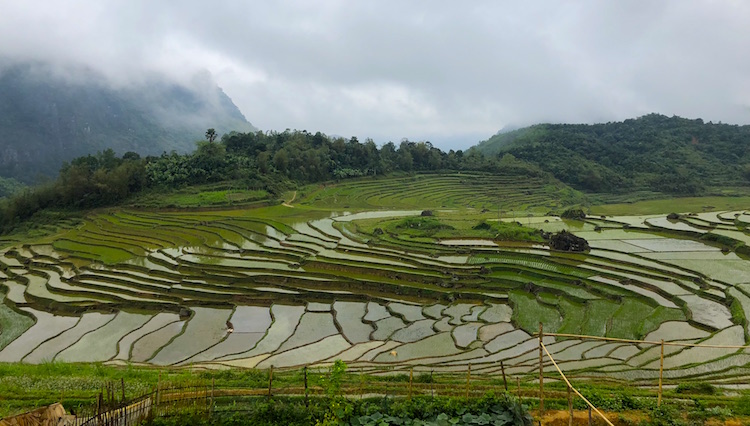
<point x="211" y="134"/>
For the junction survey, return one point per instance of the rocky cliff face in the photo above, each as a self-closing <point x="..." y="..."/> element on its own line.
<point x="48" y="117"/>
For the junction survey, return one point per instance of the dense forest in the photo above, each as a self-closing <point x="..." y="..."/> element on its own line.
<point x="658" y="153"/>
<point x="273" y="161"/>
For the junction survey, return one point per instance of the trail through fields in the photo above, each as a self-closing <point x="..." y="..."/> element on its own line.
<point x="289" y="203"/>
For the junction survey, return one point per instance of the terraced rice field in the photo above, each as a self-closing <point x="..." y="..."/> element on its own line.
<point x="460" y="190"/>
<point x="288" y="286"/>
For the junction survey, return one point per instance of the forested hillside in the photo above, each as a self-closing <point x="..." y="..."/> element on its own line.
<point x="273" y="162"/>
<point x="49" y="115"/>
<point x="654" y="152"/>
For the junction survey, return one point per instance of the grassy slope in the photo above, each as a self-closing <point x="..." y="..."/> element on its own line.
<point x="669" y="205"/>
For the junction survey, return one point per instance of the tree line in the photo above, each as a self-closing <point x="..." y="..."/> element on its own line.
<point x="273" y="161"/>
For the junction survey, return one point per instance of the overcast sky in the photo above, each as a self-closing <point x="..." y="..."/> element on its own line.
<point x="452" y="72"/>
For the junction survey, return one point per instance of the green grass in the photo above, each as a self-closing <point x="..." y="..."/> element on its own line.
<point x="478" y="191"/>
<point x="108" y="255"/>
<point x="669" y="205"/>
<point x="12" y="323"/>
<point x="634" y="319"/>
<point x="451" y="225"/>
<point x="574" y="315"/>
<point x="213" y="198"/>
<point x="24" y="387"/>
<point x="218" y="194"/>
<point x="660" y="315"/>
<point x="528" y="313"/>
<point x="598" y="313"/>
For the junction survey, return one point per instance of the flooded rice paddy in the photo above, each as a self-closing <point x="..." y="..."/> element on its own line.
<point x="242" y="290"/>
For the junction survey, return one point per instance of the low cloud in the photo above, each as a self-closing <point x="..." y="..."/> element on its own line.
<point x="449" y="72"/>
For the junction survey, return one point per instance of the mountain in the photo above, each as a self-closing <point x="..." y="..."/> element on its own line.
<point x="49" y="115"/>
<point x="656" y="153"/>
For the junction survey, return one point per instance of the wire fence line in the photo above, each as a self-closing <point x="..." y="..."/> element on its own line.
<point x="161" y="401"/>
<point x="169" y="399"/>
<point x="647" y="342"/>
<point x="662" y="344"/>
<point x="401" y="380"/>
<point x="570" y="387"/>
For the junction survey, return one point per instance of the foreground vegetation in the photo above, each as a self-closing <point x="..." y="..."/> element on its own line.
<point x="23" y="387"/>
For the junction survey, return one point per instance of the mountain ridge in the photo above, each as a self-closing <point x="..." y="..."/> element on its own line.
<point x="47" y="117"/>
<point x="654" y="152"/>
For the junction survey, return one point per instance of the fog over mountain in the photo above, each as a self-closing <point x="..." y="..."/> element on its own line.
<point x="450" y="72"/>
<point x="53" y="113"/>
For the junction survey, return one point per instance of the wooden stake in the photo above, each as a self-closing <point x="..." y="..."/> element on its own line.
<point x="518" y="383"/>
<point x="570" y="407"/>
<point x="304" y="371"/>
<point x="270" y="381"/>
<point x="661" y="372"/>
<point x="541" y="371"/>
<point x="212" y="395"/>
<point x="468" y="381"/>
<point x="505" y="381"/>
<point x="432" y="384"/>
<point x="99" y="403"/>
<point x="411" y="379"/>
<point x="122" y="384"/>
<point x="589" y="416"/>
<point x="158" y="387"/>
<point x="361" y="383"/>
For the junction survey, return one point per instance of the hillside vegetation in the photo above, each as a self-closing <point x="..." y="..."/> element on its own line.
<point x="670" y="155"/>
<point x="259" y="165"/>
<point x="48" y="116"/>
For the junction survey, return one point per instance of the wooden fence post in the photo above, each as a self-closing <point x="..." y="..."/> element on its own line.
<point x="212" y="395"/>
<point x="304" y="371"/>
<point x="505" y="381"/>
<point x="411" y="379"/>
<point x="570" y="407"/>
<point x="123" y="403"/>
<point x="518" y="384"/>
<point x="361" y="383"/>
<point x="158" y="387"/>
<point x="99" y="403"/>
<point x="432" y="384"/>
<point x="468" y="380"/>
<point x="661" y="372"/>
<point x="589" y="415"/>
<point x="270" y="381"/>
<point x="541" y="370"/>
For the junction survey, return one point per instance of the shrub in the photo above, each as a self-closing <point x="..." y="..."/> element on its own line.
<point x="699" y="388"/>
<point x="742" y="405"/>
<point x="573" y="214"/>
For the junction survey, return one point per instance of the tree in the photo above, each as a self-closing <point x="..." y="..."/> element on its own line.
<point x="211" y="134"/>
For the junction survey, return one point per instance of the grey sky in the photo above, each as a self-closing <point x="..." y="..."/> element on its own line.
<point x="449" y="72"/>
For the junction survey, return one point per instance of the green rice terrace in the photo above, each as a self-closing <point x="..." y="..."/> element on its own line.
<point x="433" y="272"/>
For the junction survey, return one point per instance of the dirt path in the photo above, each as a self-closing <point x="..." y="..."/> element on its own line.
<point x="289" y="203"/>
